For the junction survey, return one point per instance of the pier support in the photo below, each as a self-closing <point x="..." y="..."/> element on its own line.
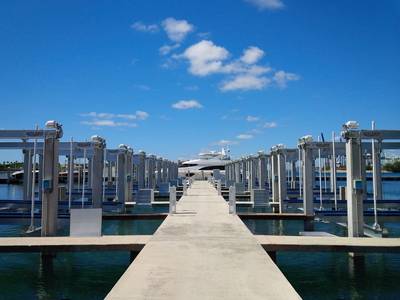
<point x="50" y="183"/>
<point x="122" y="174"/>
<point x="308" y="175"/>
<point x="27" y="175"/>
<point x="355" y="185"/>
<point x="141" y="170"/>
<point x="97" y="168"/>
<point x="158" y="168"/>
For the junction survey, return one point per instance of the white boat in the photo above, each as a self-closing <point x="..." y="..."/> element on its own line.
<point x="205" y="163"/>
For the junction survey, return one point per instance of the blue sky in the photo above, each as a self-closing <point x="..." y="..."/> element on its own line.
<point x="177" y="77"/>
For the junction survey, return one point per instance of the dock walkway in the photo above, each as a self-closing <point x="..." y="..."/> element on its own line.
<point x="203" y="252"/>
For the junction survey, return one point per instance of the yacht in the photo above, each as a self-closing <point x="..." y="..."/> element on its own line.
<point x="205" y="163"/>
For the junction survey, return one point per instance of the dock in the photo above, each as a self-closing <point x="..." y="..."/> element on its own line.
<point x="273" y="243"/>
<point x="133" y="243"/>
<point x="203" y="252"/>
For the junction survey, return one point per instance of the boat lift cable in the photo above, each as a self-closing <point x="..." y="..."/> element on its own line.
<point x="84" y="176"/>
<point x="116" y="181"/>
<point x="32" y="224"/>
<point x="320" y="177"/>
<point x="70" y="173"/>
<point x="374" y="155"/>
<point x="300" y="165"/>
<point x="333" y="179"/>
<point x="104" y="177"/>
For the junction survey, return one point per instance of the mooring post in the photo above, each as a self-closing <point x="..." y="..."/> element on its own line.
<point x="219" y="187"/>
<point x="172" y="200"/>
<point x="185" y="187"/>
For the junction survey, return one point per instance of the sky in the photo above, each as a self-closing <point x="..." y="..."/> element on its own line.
<point x="174" y="78"/>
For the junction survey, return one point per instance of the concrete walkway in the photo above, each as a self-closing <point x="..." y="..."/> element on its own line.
<point x="202" y="252"/>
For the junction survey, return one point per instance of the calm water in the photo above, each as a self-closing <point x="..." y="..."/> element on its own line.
<point x="92" y="275"/>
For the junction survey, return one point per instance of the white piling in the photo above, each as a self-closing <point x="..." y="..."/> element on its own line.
<point x="232" y="200"/>
<point x="172" y="200"/>
<point x="333" y="179"/>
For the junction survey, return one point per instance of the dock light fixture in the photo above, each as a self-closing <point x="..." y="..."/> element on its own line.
<point x="352" y="125"/>
<point x="280" y="146"/>
<point x="52" y="124"/>
<point x="306" y="139"/>
<point x="96" y="138"/>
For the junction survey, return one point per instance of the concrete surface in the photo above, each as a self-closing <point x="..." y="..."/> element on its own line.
<point x="67" y="243"/>
<point x="319" y="243"/>
<point x="203" y="252"/>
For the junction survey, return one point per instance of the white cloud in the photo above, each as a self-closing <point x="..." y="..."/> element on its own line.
<point x="252" y="119"/>
<point x="177" y="29"/>
<point x="267" y="4"/>
<point x="270" y="125"/>
<point x="166" y="49"/>
<point x="251" y="55"/>
<point x="140" y="26"/>
<point x="187" y="104"/>
<point x="244" y="136"/>
<point x="142" y="87"/>
<point x="226" y="143"/>
<point x="138" y="115"/>
<point x="281" y="78"/>
<point x="205" y="58"/>
<point x="108" y="123"/>
<point x="141" y="115"/>
<point x="245" y="82"/>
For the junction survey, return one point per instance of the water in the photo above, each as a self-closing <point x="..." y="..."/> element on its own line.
<point x="330" y="275"/>
<point x="91" y="275"/>
<point x="80" y="275"/>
